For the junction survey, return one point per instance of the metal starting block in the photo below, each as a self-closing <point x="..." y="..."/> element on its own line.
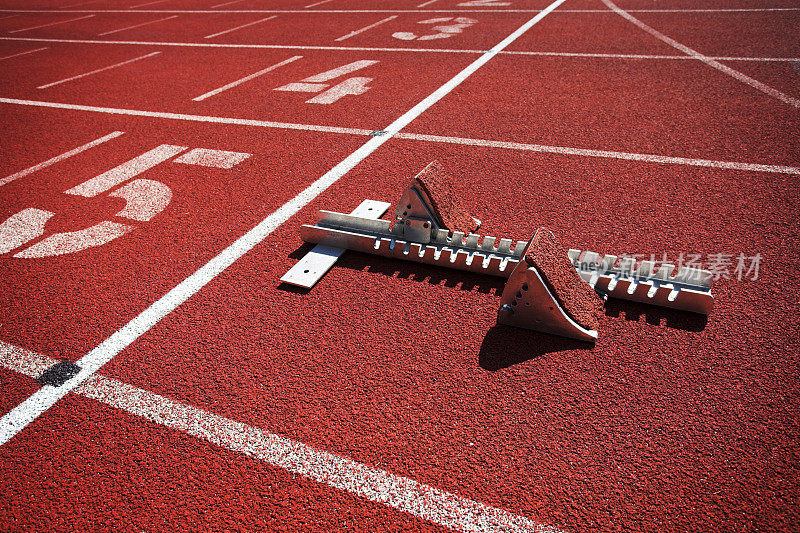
<point x="430" y="227"/>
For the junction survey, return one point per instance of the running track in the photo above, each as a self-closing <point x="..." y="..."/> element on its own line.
<point x="211" y="397"/>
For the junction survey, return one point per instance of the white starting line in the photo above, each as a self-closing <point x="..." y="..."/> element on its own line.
<point x="508" y="145"/>
<point x="400" y="49"/>
<point x="329" y="11"/>
<point x="423" y="501"/>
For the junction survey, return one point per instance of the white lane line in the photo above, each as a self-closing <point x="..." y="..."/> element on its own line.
<point x="8" y="17"/>
<point x="239" y="27"/>
<point x="306" y="10"/>
<point x="690" y="10"/>
<point x="51" y="24"/>
<point x="401" y="493"/>
<point x="588" y="152"/>
<point x="226" y="4"/>
<point x="644" y="56"/>
<point x="318" y="3"/>
<point x="147" y="4"/>
<point x="245" y="79"/>
<point x="115" y="65"/>
<point x="429" y="2"/>
<point x="366" y="28"/>
<point x="136" y="26"/>
<point x="23" y="53"/>
<point x="376" y="49"/>
<point x="744" y="78"/>
<point x="585" y="152"/>
<point x="58" y="158"/>
<point x="39" y="402"/>
<point x="190" y="118"/>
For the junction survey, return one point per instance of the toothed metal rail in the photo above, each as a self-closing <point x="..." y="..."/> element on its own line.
<point x="617" y="277"/>
<point x="473" y="253"/>
<point x="625" y="278"/>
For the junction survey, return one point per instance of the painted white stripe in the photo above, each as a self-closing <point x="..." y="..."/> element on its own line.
<point x="306" y="10"/>
<point x="429" y="2"/>
<point x="51" y="24"/>
<point x="744" y="78"/>
<point x="318" y="3"/>
<point x="8" y="17"/>
<point x="147" y="4"/>
<point x="379" y="49"/>
<point x="136" y="26"/>
<point x="115" y="65"/>
<point x="239" y="27"/>
<point x="366" y="28"/>
<point x="126" y="170"/>
<point x="691" y="10"/>
<point x="191" y="118"/>
<point x="226" y="4"/>
<point x="586" y="152"/>
<point x="30" y="409"/>
<point x="245" y="79"/>
<point x="23" y="53"/>
<point x="59" y="158"/>
<point x="405" y="494"/>
<point x="80" y="4"/>
<point x="645" y="56"/>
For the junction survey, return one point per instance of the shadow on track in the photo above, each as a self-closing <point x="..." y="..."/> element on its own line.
<point x="656" y="316"/>
<point x="505" y="346"/>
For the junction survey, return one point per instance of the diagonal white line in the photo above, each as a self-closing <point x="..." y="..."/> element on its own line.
<point x="51" y="24"/>
<point x="226" y="4"/>
<point x="59" y="158"/>
<point x="509" y="145"/>
<point x="607" y="154"/>
<point x="147" y="4"/>
<point x="245" y="79"/>
<point x="31" y="408"/>
<point x="744" y="78"/>
<point x="136" y="26"/>
<point x="23" y="53"/>
<point x="423" y="501"/>
<point x="318" y="3"/>
<point x="239" y="27"/>
<point x="115" y="65"/>
<point x="366" y="28"/>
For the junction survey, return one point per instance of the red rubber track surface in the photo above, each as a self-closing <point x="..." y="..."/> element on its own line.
<point x="660" y="107"/>
<point x="672" y="422"/>
<point x="120" y="473"/>
<point x="664" y="410"/>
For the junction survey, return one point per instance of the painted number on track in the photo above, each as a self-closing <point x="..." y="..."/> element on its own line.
<point x="144" y="199"/>
<point x="317" y="83"/>
<point x="443" y="30"/>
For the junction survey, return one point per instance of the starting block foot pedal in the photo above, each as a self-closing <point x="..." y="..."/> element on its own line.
<point x="545" y="293"/>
